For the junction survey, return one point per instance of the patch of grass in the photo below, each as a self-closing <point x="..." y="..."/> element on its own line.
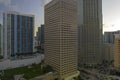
<point x="33" y="71"/>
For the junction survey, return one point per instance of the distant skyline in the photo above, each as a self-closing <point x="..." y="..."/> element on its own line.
<point x="111" y="11"/>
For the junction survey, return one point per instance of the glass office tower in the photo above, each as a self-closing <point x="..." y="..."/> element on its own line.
<point x="89" y="32"/>
<point x="18" y="32"/>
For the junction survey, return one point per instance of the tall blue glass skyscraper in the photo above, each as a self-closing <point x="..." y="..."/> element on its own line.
<point x="18" y="32"/>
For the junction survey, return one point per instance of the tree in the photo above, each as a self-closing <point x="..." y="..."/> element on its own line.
<point x="47" y="69"/>
<point x="1" y="57"/>
<point x="12" y="55"/>
<point x="79" y="78"/>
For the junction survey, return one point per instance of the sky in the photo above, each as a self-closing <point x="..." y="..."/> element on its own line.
<point x="35" y="7"/>
<point x="111" y="11"/>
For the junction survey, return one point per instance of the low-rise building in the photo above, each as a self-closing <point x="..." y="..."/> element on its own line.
<point x="108" y="52"/>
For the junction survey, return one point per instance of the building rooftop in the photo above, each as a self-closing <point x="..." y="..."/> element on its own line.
<point x="52" y="2"/>
<point x="117" y="35"/>
<point x="17" y="13"/>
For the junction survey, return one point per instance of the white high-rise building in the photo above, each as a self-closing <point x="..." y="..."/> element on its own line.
<point x="17" y="33"/>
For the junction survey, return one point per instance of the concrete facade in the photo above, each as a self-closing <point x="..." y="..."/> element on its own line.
<point x="108" y="51"/>
<point x="89" y="32"/>
<point x="117" y="51"/>
<point x="0" y="40"/>
<point x="61" y="39"/>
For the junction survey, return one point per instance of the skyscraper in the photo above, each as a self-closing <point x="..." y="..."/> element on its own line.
<point x="40" y="35"/>
<point x="109" y="37"/>
<point x="61" y="42"/>
<point x="0" y="39"/>
<point x="117" y="51"/>
<point x="18" y="32"/>
<point x="89" y="31"/>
